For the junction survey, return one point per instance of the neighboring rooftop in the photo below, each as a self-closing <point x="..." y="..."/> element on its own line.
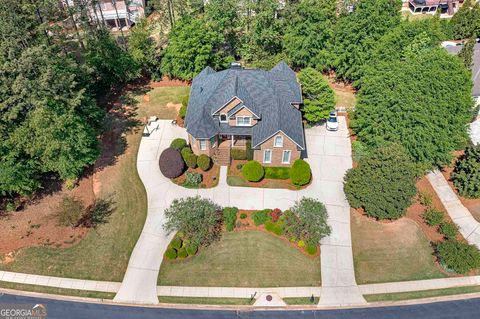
<point x="455" y="48"/>
<point x="268" y="94"/>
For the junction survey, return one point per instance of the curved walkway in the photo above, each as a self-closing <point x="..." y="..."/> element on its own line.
<point x="329" y="155"/>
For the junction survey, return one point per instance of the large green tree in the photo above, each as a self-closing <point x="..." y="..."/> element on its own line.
<point x="357" y="34"/>
<point x="423" y="103"/>
<point x="466" y="22"/>
<point x="318" y="97"/>
<point x="223" y="17"/>
<point x="309" y="33"/>
<point x="142" y="48"/>
<point x="466" y="175"/>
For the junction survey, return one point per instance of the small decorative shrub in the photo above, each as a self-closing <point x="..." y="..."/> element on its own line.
<point x="193" y="179"/>
<point x="191" y="249"/>
<point x="204" y="162"/>
<point x="69" y="211"/>
<point x="178" y="144"/>
<point x="278" y="228"/>
<point x="249" y="150"/>
<point x="277" y="172"/>
<point x="239" y="166"/>
<point x="449" y="230"/>
<point x="300" y="173"/>
<point x="229" y="217"/>
<point x="182" y="253"/>
<point x="243" y="216"/>
<point x="276" y="213"/>
<point x="176" y="243"/>
<point x="171" y="254"/>
<point x="189" y="158"/>
<point x="458" y="256"/>
<point x="433" y="217"/>
<point x="98" y="213"/>
<point x="238" y="154"/>
<point x="425" y="199"/>
<point x="301" y="243"/>
<point x="311" y="249"/>
<point x="171" y="163"/>
<point x="183" y="109"/>
<point x="253" y="171"/>
<point x="269" y="225"/>
<point x="466" y="174"/>
<point x="11" y="206"/>
<point x="261" y="216"/>
<point x="70" y="183"/>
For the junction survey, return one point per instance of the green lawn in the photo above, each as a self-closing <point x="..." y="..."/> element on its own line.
<point x="301" y="301"/>
<point x="104" y="253"/>
<point x="422" y="294"/>
<point x="159" y="100"/>
<point x="57" y="291"/>
<point x="206" y="301"/>
<point x="395" y="251"/>
<point x="244" y="259"/>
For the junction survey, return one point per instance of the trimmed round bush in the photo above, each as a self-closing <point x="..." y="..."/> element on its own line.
<point x="278" y="229"/>
<point x="243" y="216"/>
<point x="178" y="144"/>
<point x="253" y="171"/>
<point x="204" y="162"/>
<point x="270" y="226"/>
<point x="433" y="217"/>
<point x="311" y="249"/>
<point x="176" y="243"/>
<point x="189" y="158"/>
<point x="191" y="249"/>
<point x="449" y="230"/>
<point x="301" y="243"/>
<point x="171" y="254"/>
<point x="182" y="253"/>
<point x="193" y="179"/>
<point x="458" y="256"/>
<point x="300" y="173"/>
<point x="171" y="163"/>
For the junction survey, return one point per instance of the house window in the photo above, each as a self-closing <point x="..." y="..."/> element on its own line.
<point x="267" y="156"/>
<point x="278" y="141"/>
<point x="213" y="142"/>
<point x="223" y="118"/>
<point x="243" y="120"/>
<point x="203" y="144"/>
<point x="286" y="157"/>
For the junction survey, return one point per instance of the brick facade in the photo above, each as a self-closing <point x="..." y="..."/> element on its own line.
<point x="277" y="152"/>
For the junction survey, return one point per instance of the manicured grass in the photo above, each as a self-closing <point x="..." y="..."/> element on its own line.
<point x="277" y="172"/>
<point x="159" y="99"/>
<point x="244" y="259"/>
<point x="301" y="301"/>
<point x="206" y="301"/>
<point x="57" y="291"/>
<point x="408" y="15"/>
<point x="385" y="252"/>
<point x="236" y="181"/>
<point x="422" y="294"/>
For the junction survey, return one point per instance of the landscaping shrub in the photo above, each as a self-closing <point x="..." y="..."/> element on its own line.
<point x="239" y="166"/>
<point x="238" y="154"/>
<point x="261" y="216"/>
<point x="277" y="172"/>
<point x="382" y="184"/>
<point x="249" y="150"/>
<point x="204" y="162"/>
<point x="176" y="243"/>
<point x="198" y="218"/>
<point x="433" y="217"/>
<point x="449" y="230"/>
<point x="243" y="216"/>
<point x="193" y="179"/>
<point x="189" y="158"/>
<point x="178" y="144"/>
<point x="292" y="224"/>
<point x="300" y="173"/>
<point x="229" y="217"/>
<point x="458" y="256"/>
<point x="171" y="163"/>
<point x="425" y="199"/>
<point x="312" y="220"/>
<point x="182" y="253"/>
<point x="276" y="213"/>
<point x="278" y="228"/>
<point x="269" y="225"/>
<point x="311" y="249"/>
<point x="171" y="254"/>
<point x="98" y="213"/>
<point x="466" y="174"/>
<point x="182" y="112"/>
<point x="191" y="249"/>
<point x="301" y="243"/>
<point x="69" y="211"/>
<point x="253" y="171"/>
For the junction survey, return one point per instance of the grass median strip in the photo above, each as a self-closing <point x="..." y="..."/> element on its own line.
<point x="57" y="291"/>
<point x="301" y="301"/>
<point x="206" y="301"/>
<point x="422" y="294"/>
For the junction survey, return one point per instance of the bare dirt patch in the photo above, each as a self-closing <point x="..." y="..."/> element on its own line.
<point x="166" y="82"/>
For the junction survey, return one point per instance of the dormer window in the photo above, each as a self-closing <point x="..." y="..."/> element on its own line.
<point x="244" y="121"/>
<point x="223" y="118"/>
<point x="278" y="141"/>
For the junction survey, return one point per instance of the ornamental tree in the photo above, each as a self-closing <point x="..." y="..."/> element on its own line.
<point x="310" y="223"/>
<point x="319" y="98"/>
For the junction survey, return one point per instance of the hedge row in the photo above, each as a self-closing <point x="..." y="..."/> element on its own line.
<point x="179" y="248"/>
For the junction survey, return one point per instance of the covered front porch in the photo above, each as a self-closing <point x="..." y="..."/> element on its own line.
<point x="233" y="141"/>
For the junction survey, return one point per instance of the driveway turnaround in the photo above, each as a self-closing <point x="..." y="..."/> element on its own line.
<point x="329" y="155"/>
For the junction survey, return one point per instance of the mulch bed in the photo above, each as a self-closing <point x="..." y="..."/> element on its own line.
<point x="166" y="82"/>
<point x="210" y="177"/>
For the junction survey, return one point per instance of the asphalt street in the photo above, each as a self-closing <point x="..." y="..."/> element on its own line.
<point x="59" y="309"/>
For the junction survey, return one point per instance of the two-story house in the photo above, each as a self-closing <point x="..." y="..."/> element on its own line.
<point x="235" y="107"/>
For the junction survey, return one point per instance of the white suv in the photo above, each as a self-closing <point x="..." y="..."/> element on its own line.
<point x="332" y="122"/>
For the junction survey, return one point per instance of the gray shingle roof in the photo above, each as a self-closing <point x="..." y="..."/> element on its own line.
<point x="475" y="67"/>
<point x="268" y="94"/>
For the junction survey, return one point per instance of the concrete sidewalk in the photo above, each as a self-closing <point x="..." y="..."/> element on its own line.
<point x="475" y="131"/>
<point x="468" y="226"/>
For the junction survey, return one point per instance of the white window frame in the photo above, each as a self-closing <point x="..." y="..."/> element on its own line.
<point x="213" y="142"/>
<point x="204" y="148"/>
<point x="244" y="117"/>
<point x="275" y="141"/>
<point x="226" y="118"/>
<point x="289" y="156"/>
<point x="264" y="157"/>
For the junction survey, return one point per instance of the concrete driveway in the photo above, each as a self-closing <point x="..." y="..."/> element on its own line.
<point x="329" y="155"/>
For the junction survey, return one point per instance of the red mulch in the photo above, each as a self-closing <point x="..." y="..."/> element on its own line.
<point x="166" y="82"/>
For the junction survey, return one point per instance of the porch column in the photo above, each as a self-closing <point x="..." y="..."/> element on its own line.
<point x="232" y="140"/>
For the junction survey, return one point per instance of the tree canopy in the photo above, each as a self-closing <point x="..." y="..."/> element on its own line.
<point x="466" y="22"/>
<point x="319" y="98"/>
